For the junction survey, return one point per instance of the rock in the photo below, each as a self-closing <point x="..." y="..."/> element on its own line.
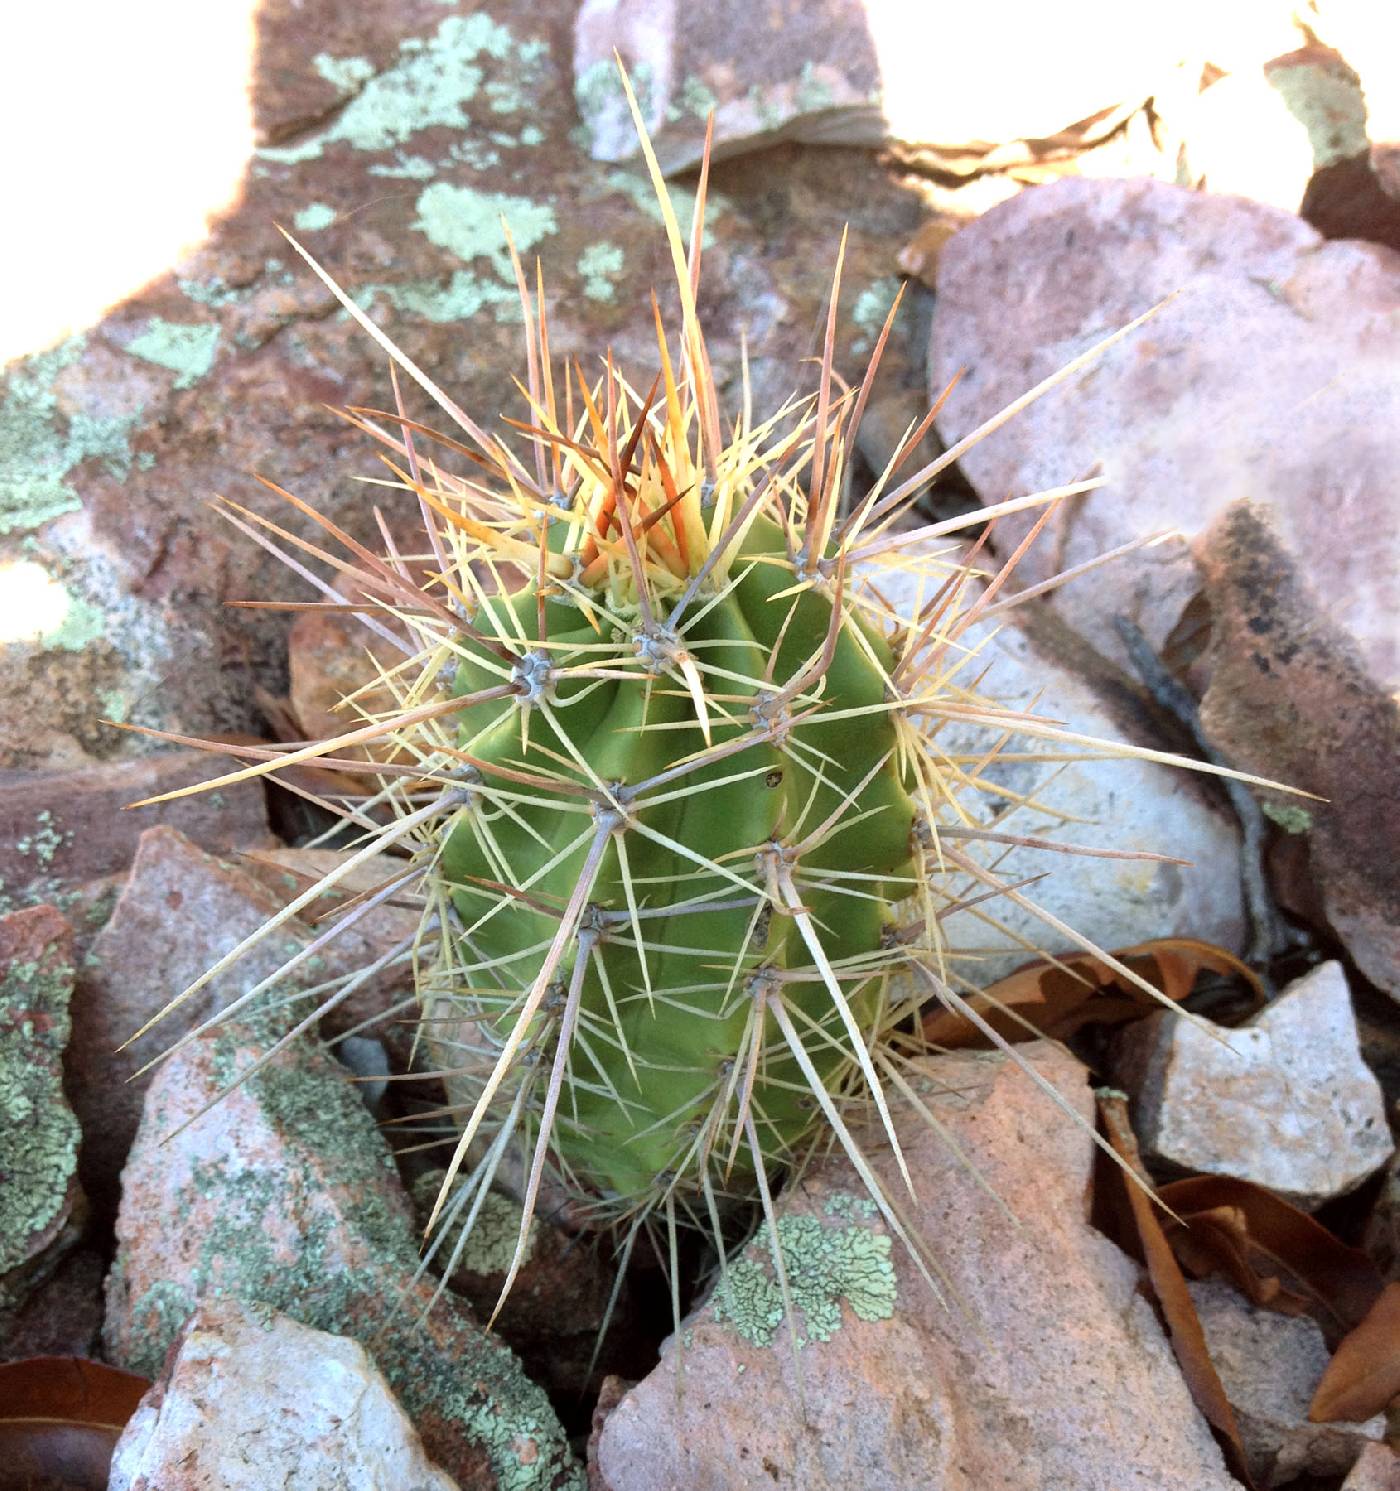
<point x="72" y="833"/>
<point x="1043" y="1366"/>
<point x="39" y="1134"/>
<point x="252" y="1399"/>
<point x="1290" y="697"/>
<point x="389" y="140"/>
<point x="1377" y="1469"/>
<point x="867" y="72"/>
<point x="331" y="656"/>
<point x="1383" y="1226"/>
<point x="62" y="1316"/>
<point x="181" y="911"/>
<point x="284" y="1195"/>
<point x="1177" y="415"/>
<point x="1284" y="1101"/>
<point x="1270" y="1366"/>
<point x="1102" y="804"/>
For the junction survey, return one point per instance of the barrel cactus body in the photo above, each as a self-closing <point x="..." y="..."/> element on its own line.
<point x="797" y="796"/>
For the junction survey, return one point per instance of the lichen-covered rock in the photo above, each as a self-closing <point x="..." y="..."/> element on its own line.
<point x="285" y="1195"/>
<point x="252" y="1399"/>
<point x="1270" y="1366"/>
<point x="1041" y="1366"/>
<point x="1284" y="1100"/>
<point x="39" y="1135"/>
<point x="390" y="140"/>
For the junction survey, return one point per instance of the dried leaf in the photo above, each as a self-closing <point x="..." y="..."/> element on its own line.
<point x="1363" y="1377"/>
<point x="1276" y="1255"/>
<point x="1039" y="1000"/>
<point x="60" y="1419"/>
<point x="1169" y="1285"/>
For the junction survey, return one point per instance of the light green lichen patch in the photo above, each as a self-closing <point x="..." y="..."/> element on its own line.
<point x="600" y="264"/>
<point x="1329" y="104"/>
<point x="467" y="223"/>
<point x="602" y="105"/>
<point x="490" y="1246"/>
<point x="38" y="1132"/>
<point x="314" y="217"/>
<point x="1289" y="817"/>
<point x="825" y="1264"/>
<point x="428" y="86"/>
<point x="186" y="348"/>
<point x="695" y="98"/>
<point x="459" y="298"/>
<point x="213" y="292"/>
<point x="869" y="312"/>
<point x="39" y="448"/>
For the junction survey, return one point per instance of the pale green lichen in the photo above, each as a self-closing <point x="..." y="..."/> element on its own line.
<point x="461" y="297"/>
<point x="427" y="87"/>
<point x="600" y="264"/>
<point x="696" y="98"/>
<point x="314" y="217"/>
<point x="467" y="222"/>
<point x="1329" y="104"/>
<point x="38" y="1132"/>
<point x="82" y="624"/>
<point x="1289" y="817"/>
<point x="869" y="312"/>
<point x="186" y="348"/>
<point x="825" y="1265"/>
<point x="602" y="105"/>
<point x="39" y="449"/>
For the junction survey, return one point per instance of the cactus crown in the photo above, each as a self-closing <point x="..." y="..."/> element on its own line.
<point x="664" y="762"/>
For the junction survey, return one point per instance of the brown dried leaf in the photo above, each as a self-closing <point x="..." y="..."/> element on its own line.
<point x="1039" y="1000"/>
<point x="1169" y="1285"/>
<point x="1276" y="1255"/>
<point x="1363" y="1377"/>
<point x="60" y="1419"/>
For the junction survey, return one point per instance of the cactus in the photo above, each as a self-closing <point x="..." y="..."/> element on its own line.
<point x="664" y="768"/>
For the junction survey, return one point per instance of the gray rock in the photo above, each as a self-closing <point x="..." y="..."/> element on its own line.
<point x="252" y="1399"/>
<point x="1284" y="1101"/>
<point x="1270" y="1366"/>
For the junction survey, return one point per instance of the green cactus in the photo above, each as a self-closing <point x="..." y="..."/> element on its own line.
<point x="663" y="762"/>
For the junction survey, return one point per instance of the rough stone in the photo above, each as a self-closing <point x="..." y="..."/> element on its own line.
<point x="38" y="1135"/>
<point x="1042" y="1366"/>
<point x="390" y="140"/>
<point x="72" y="833"/>
<point x="1377" y="1469"/>
<point x="1023" y="664"/>
<point x="1383" y="1226"/>
<point x="1178" y="416"/>
<point x="284" y="1195"/>
<point x="1284" y="1100"/>
<point x="252" y="1399"/>
<point x="1270" y="1366"/>
<point x="62" y="1316"/>
<point x="1290" y="698"/>
<point x="857" y="72"/>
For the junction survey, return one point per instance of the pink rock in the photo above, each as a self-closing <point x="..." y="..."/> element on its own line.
<point x="1270" y="376"/>
<point x="1270" y="1366"/>
<point x="1377" y="1469"/>
<point x="1284" y="1101"/>
<point x="253" y="1399"/>
<point x="1043" y="1366"/>
<point x="72" y="829"/>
